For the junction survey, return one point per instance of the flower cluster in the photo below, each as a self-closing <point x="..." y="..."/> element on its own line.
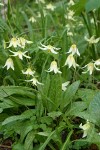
<point x="70" y="61"/>
<point x="17" y="42"/>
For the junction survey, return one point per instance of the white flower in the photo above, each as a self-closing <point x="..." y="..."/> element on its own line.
<point x="28" y="72"/>
<point x="1" y="4"/>
<point x="34" y="81"/>
<point x="9" y="64"/>
<point x="97" y="63"/>
<point x="92" y="40"/>
<point x="68" y="27"/>
<point x="90" y="68"/>
<point x="50" y="6"/>
<point x="38" y="1"/>
<point x="92" y="20"/>
<point x="69" y="33"/>
<point x="53" y="67"/>
<point x="70" y="15"/>
<point x="73" y="49"/>
<point x="20" y="54"/>
<point x="64" y="85"/>
<point x="70" y="61"/>
<point x="14" y="42"/>
<point x="70" y="3"/>
<point x="32" y="19"/>
<point x="85" y="128"/>
<point x="49" y="48"/>
<point x="23" y="41"/>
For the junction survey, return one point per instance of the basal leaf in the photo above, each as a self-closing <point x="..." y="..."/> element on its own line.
<point x="25" y="115"/>
<point x="92" y="4"/>
<point x="29" y="141"/>
<point x="94" y="108"/>
<point x="69" y="94"/>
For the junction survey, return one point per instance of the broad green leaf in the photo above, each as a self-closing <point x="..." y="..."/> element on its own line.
<point x="94" y="108"/>
<point x="44" y="133"/>
<point x="6" y="91"/>
<point x="26" y="128"/>
<point x="23" y="101"/>
<point x="29" y="141"/>
<point x="17" y="146"/>
<point x="92" y="4"/>
<point x="86" y="95"/>
<point x="79" y="6"/>
<point x="25" y="115"/>
<point x="76" y="107"/>
<point x="7" y="103"/>
<point x="46" y="119"/>
<point x="69" y="94"/>
<point x="55" y="91"/>
<point x="1" y="110"/>
<point x="55" y="114"/>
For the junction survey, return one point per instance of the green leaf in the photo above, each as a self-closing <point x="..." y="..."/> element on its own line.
<point x="69" y="94"/>
<point x="29" y="141"/>
<point x="47" y="140"/>
<point x="18" y="146"/>
<point x="86" y="95"/>
<point x="94" y="109"/>
<point x="79" y="6"/>
<point x="26" y="128"/>
<point x="44" y="133"/>
<point x="25" y="115"/>
<point x="76" y="107"/>
<point x="6" y="91"/>
<point x="55" y="91"/>
<point x="23" y="101"/>
<point x="92" y="4"/>
<point x="55" y="114"/>
<point x="1" y="110"/>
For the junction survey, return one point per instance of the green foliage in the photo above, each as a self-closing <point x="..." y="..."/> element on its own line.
<point x="91" y="5"/>
<point x="39" y="109"/>
<point x="68" y="96"/>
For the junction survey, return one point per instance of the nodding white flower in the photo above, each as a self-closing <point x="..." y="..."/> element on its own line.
<point x="53" y="67"/>
<point x="20" y="54"/>
<point x="14" y="42"/>
<point x="49" y="48"/>
<point x="70" y="61"/>
<point x="70" y="15"/>
<point x="70" y="3"/>
<point x="90" y="68"/>
<point x="39" y="14"/>
<point x="69" y="33"/>
<point x="9" y="63"/>
<point x="23" y="41"/>
<point x="28" y="72"/>
<point x="34" y="81"/>
<point x="92" y="40"/>
<point x="50" y="6"/>
<point x="38" y="1"/>
<point x="64" y="85"/>
<point x="32" y="19"/>
<point x="73" y="49"/>
<point x="68" y="27"/>
<point x="1" y="4"/>
<point x="85" y="128"/>
<point x="97" y="63"/>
